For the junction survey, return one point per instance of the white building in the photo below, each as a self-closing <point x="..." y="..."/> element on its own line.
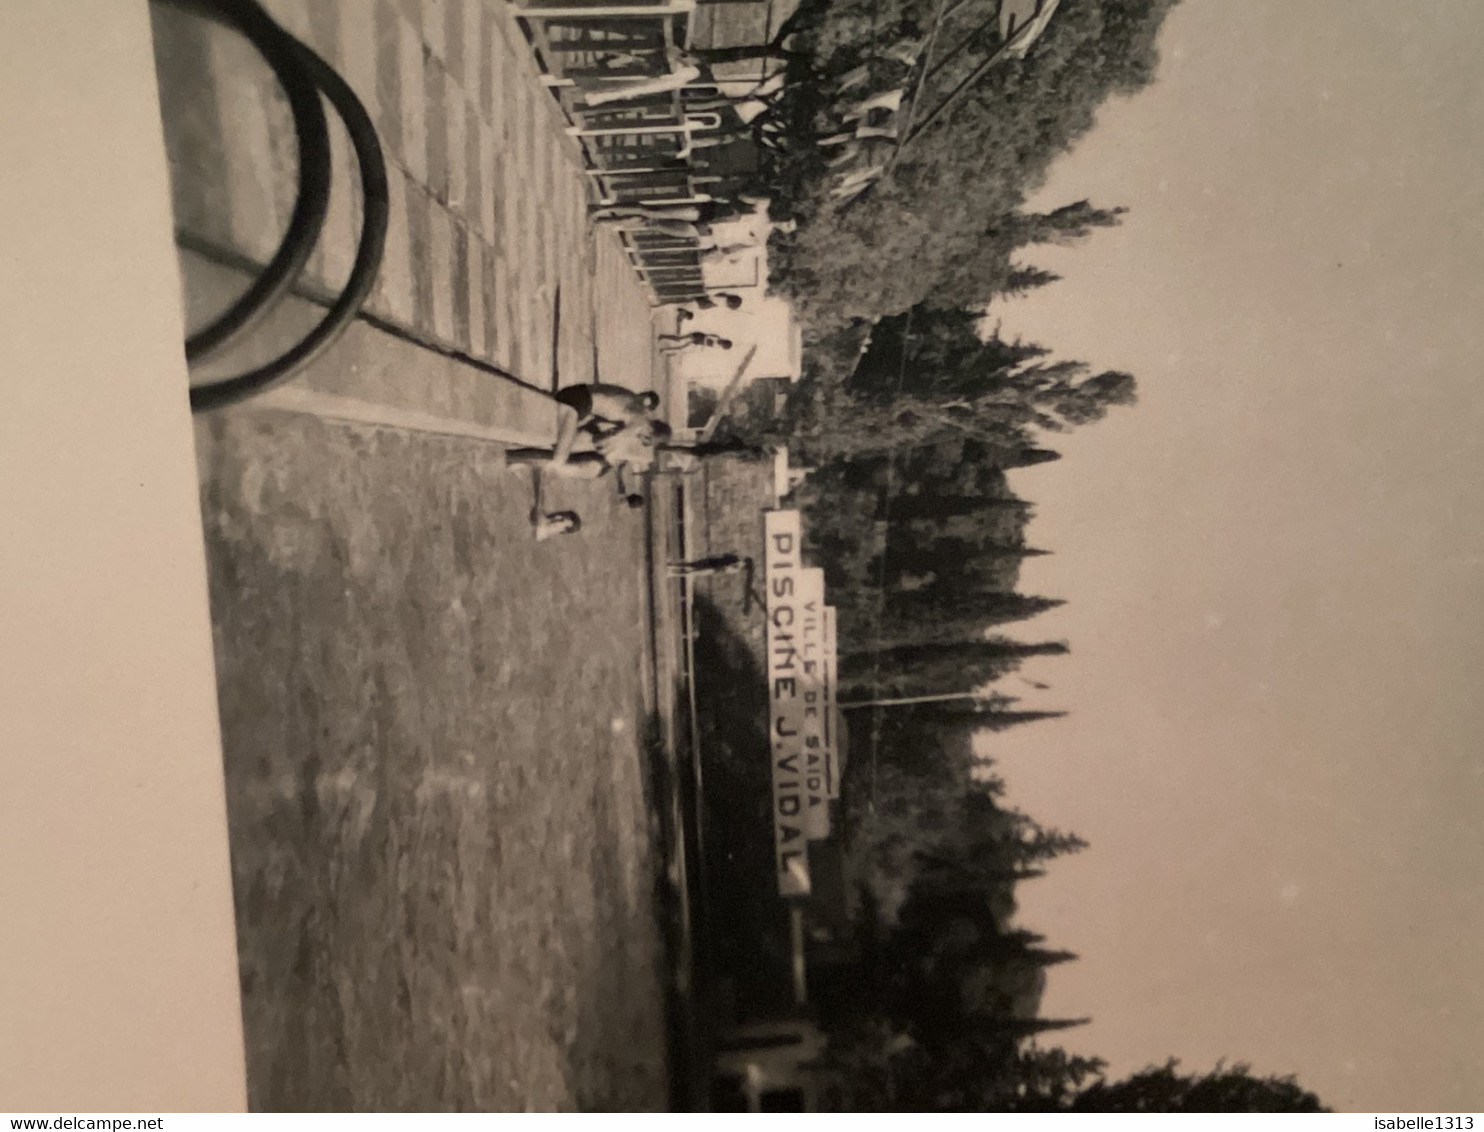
<point x="764" y="324"/>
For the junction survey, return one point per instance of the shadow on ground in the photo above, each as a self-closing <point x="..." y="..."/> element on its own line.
<point x="746" y="940"/>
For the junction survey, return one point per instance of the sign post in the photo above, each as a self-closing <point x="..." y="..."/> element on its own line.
<point x="831" y="718"/>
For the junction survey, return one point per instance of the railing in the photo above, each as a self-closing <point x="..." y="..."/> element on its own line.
<point x="645" y="120"/>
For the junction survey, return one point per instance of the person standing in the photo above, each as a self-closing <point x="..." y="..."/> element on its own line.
<point x="713" y="566"/>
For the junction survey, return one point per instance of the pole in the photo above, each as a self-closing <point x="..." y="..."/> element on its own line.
<point x="797" y="954"/>
<point x="898" y="701"/>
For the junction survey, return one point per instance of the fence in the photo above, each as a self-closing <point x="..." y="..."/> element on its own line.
<point x="646" y="119"/>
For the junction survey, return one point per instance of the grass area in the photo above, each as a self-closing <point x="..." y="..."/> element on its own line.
<point x="434" y="731"/>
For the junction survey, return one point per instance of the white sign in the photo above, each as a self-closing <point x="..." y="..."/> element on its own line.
<point x="813" y="692"/>
<point x="786" y="679"/>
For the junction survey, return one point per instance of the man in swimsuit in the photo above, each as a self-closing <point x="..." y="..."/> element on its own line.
<point x="627" y="452"/>
<point x="610" y="403"/>
<point x="599" y="409"/>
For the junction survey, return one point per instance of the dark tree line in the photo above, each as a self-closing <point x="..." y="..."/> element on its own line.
<point x="941" y="1008"/>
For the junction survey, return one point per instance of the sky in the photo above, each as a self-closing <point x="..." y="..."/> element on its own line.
<point x="1274" y="563"/>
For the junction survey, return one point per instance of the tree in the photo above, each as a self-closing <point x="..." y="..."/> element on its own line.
<point x="1224" y="1089"/>
<point x="1045" y="1080"/>
<point x="969" y="714"/>
<point x="985" y="846"/>
<point x="934" y="345"/>
<point x="888" y="835"/>
<point x="913" y="421"/>
<point x="865" y="1055"/>
<point x="1059" y="395"/>
<point x="985" y="267"/>
<point x="1063" y="227"/>
<point x="1038" y="844"/>
<point x="997" y="407"/>
<point x="959" y="561"/>
<point x="926" y="669"/>
<point x="967" y="605"/>
<point x="1090" y="400"/>
<point x="937" y="507"/>
<point x="922" y="547"/>
<point x="932" y="217"/>
<point x="921" y="618"/>
<point x="1022" y="280"/>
